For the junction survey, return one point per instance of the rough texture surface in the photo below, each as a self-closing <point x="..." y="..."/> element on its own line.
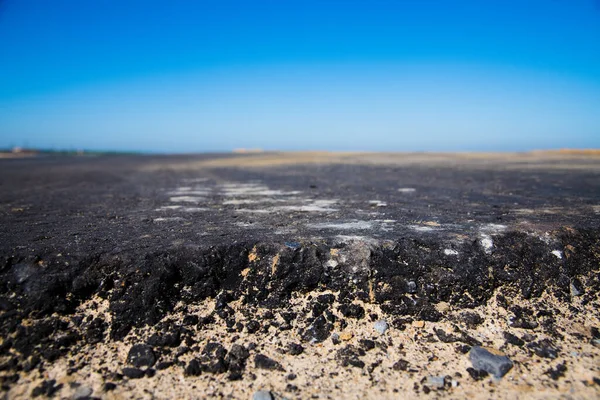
<point x="234" y="274"/>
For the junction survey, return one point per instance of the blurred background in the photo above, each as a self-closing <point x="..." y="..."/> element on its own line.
<point x="207" y="76"/>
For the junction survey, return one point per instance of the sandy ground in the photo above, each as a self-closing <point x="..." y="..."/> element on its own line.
<point x="318" y="372"/>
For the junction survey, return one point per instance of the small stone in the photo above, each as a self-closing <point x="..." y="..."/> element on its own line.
<point x="349" y="355"/>
<point x="381" y="326"/>
<point x="264" y="362"/>
<point x="557" y="372"/>
<point x="335" y="338"/>
<point x="490" y="361"/>
<point x="512" y="339"/>
<point x="141" y="355"/>
<point x="326" y="298"/>
<point x="193" y="368"/>
<point x="82" y="392"/>
<point x="295" y="349"/>
<point x="367" y="344"/>
<point x="318" y="331"/>
<point x="252" y="326"/>
<point x="576" y="287"/>
<point x="262" y="395"/>
<point x="477" y="374"/>
<point x="471" y="319"/>
<point x="419" y="324"/>
<point x="442" y="306"/>
<point x="345" y="336"/>
<point x="411" y="287"/>
<point x="401" y="365"/>
<point x="435" y="381"/>
<point x="109" y="387"/>
<point x="164" y="365"/>
<point x="544" y="348"/>
<point x="352" y="311"/>
<point x="133" y="373"/>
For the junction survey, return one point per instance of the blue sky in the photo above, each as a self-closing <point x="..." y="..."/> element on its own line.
<point x="191" y="76"/>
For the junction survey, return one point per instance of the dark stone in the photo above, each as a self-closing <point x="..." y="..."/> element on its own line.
<point x="164" y="365"/>
<point x="318" y="331"/>
<point x="190" y="320"/>
<point x="366" y="344"/>
<point x="252" y="326"/>
<point x="236" y="361"/>
<point x="496" y="365"/>
<point x="349" y="355"/>
<point x="295" y="349"/>
<point x="326" y="298"/>
<point x="543" y="348"/>
<point x="512" y="339"/>
<point x="352" y="311"/>
<point x="291" y="388"/>
<point x="167" y="340"/>
<point x="523" y="323"/>
<point x="401" y="365"/>
<point x="46" y="388"/>
<point x="133" y="373"/>
<point x="193" y="368"/>
<point x="471" y="319"/>
<point x="477" y="374"/>
<point x="94" y="331"/>
<point x="214" y="349"/>
<point x="411" y="287"/>
<point x="263" y="362"/>
<point x="141" y="355"/>
<point x="109" y="387"/>
<point x="557" y="372"/>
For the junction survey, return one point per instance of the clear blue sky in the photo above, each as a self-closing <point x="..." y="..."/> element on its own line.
<point x="187" y="76"/>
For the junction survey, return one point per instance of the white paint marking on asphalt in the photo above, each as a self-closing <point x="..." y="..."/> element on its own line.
<point x="202" y="192"/>
<point x="354" y="225"/>
<point x="165" y="208"/>
<point x="421" y="228"/>
<point x="378" y="203"/>
<point x="169" y="219"/>
<point x="192" y="180"/>
<point x="255" y="211"/>
<point x="186" y="199"/>
<point x="407" y="190"/>
<point x="492" y="228"/>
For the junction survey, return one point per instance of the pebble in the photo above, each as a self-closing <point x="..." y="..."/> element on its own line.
<point x="435" y="381"/>
<point x="576" y="288"/>
<point x="381" y="326"/>
<point x="411" y="287"/>
<point x="133" y="373"/>
<point x="141" y="355"/>
<point x="419" y="324"/>
<point x="82" y="392"/>
<point x="264" y="362"/>
<point x="345" y="336"/>
<point x="262" y="395"/>
<point x="491" y="361"/>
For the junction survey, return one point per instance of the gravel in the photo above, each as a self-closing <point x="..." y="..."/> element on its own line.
<point x="492" y="362"/>
<point x="381" y="326"/>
